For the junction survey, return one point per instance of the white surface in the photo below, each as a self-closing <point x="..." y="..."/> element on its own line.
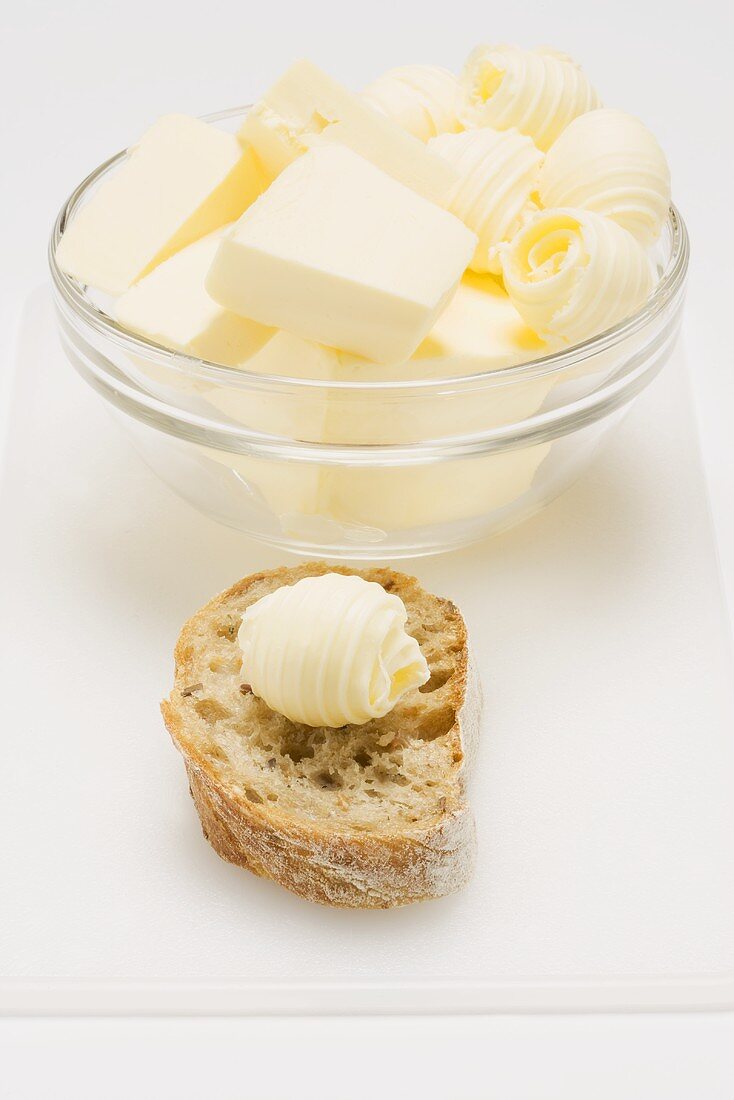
<point x="530" y="1058"/>
<point x="77" y="84"/>
<point x="605" y="874"/>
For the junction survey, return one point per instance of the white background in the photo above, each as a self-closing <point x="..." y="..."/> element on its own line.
<point x="79" y="81"/>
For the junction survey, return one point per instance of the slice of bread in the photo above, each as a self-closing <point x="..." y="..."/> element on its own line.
<point x="368" y="816"/>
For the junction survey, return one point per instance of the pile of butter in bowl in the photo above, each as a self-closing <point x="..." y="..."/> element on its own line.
<point x="431" y="227"/>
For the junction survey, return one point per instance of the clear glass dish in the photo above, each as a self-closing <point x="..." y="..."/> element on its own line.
<point x="367" y="468"/>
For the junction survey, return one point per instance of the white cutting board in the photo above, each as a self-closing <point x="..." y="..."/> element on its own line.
<point x="603" y="788"/>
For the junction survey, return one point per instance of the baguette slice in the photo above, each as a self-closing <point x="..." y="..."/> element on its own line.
<point x="368" y="816"/>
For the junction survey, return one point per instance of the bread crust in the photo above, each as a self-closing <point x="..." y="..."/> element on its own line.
<point x="335" y="866"/>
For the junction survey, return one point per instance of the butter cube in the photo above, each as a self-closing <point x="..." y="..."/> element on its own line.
<point x="396" y="498"/>
<point x="306" y="109"/>
<point x="479" y="331"/>
<point x="183" y="180"/>
<point x="171" y="307"/>
<point x="290" y="412"/>
<point x="338" y="252"/>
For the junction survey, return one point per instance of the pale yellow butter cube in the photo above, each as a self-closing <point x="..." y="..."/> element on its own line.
<point x="306" y="108"/>
<point x="294" y="412"/>
<point x="396" y="498"/>
<point x="171" y="307"/>
<point x="338" y="252"/>
<point x="480" y="331"/>
<point x="180" y="182"/>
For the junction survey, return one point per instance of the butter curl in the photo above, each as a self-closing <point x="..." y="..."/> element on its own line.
<point x="330" y="650"/>
<point x="497" y="173"/>
<point x="538" y="92"/>
<point x="609" y="162"/>
<point x="572" y="274"/>
<point x="419" y="98"/>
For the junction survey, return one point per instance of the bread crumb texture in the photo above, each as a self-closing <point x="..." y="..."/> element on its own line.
<point x="366" y="816"/>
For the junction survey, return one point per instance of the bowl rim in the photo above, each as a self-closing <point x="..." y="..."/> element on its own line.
<point x="74" y="297"/>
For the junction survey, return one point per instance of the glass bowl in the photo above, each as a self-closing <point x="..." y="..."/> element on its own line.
<point x="367" y="467"/>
